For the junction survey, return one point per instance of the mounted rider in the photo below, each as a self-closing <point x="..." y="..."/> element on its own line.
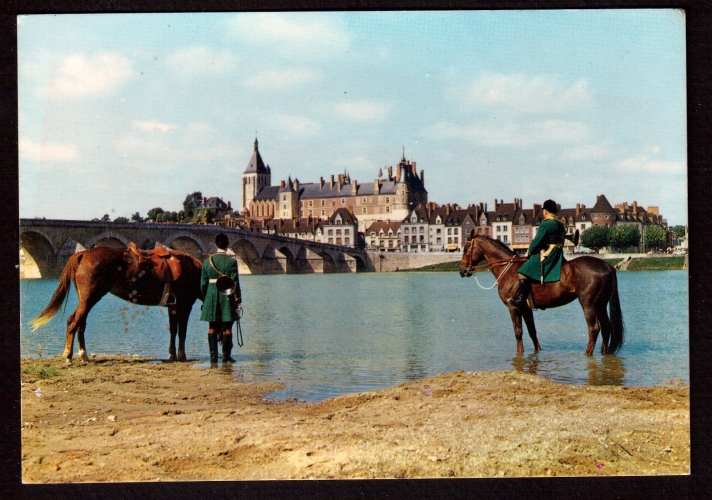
<point x="220" y="301"/>
<point x="546" y="255"/>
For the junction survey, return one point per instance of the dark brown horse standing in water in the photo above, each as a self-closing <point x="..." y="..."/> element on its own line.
<point x="591" y="280"/>
<point x="137" y="276"/>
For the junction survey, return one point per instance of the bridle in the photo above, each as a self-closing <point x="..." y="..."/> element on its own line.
<point x="488" y="266"/>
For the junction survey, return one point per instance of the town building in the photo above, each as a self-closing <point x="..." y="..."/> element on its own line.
<point x="384" y="235"/>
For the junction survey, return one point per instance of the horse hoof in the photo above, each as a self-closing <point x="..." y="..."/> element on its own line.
<point x="84" y="356"/>
<point x="172" y="358"/>
<point x="68" y="361"/>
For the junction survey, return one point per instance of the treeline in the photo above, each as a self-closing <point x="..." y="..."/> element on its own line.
<point x="190" y="213"/>
<point x="624" y="237"/>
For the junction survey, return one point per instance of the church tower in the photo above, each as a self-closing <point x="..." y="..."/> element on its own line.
<point x="255" y="177"/>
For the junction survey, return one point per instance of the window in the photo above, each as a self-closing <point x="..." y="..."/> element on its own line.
<point x="388" y="199"/>
<point x="338" y="232"/>
<point x="333" y="203"/>
<point x="284" y="207"/>
<point x="406" y="230"/>
<point x="422" y="230"/>
<point x="364" y="201"/>
<point x="388" y="209"/>
<point x="331" y="240"/>
<point x="405" y="238"/>
<point x="343" y="201"/>
<point x="347" y="240"/>
<point x="330" y="232"/>
<point x="438" y="241"/>
<point x="323" y="203"/>
<point x="438" y="231"/>
<point x="346" y="231"/>
<point x="505" y="238"/>
<point x="310" y="213"/>
<point x="311" y="203"/>
<point x="338" y="241"/>
<point x="449" y="240"/>
<point x="284" y="197"/>
<point x="364" y="209"/>
<point x="454" y="239"/>
<point x="323" y="212"/>
<point x="449" y="231"/>
<point x="422" y="238"/>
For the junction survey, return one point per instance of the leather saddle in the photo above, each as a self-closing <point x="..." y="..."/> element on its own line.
<point x="166" y="266"/>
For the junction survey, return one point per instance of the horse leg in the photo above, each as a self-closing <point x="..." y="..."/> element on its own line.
<point x="69" y="342"/>
<point x="183" y="316"/>
<point x="605" y="324"/>
<point x="593" y="328"/>
<point x="80" y="338"/>
<point x="173" y="328"/>
<point x="528" y="316"/>
<point x="517" y="323"/>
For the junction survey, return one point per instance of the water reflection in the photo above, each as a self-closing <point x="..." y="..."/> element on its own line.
<point x="528" y="364"/>
<point x="608" y="371"/>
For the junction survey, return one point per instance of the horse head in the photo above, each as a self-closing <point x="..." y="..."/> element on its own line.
<point x="471" y="256"/>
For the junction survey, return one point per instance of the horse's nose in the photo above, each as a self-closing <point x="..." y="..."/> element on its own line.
<point x="465" y="272"/>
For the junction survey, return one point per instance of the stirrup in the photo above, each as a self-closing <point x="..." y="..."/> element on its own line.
<point x="168" y="300"/>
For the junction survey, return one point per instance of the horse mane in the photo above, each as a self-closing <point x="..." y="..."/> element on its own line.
<point x="497" y="242"/>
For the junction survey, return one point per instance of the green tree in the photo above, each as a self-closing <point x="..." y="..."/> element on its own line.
<point x="596" y="237"/>
<point x="154" y="213"/>
<point x="121" y="220"/>
<point x="678" y="231"/>
<point x="137" y="217"/>
<point x="655" y="237"/>
<point x="106" y="218"/>
<point x="623" y="237"/>
<point x="191" y="202"/>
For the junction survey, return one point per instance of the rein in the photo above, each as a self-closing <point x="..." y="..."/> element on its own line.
<point x="488" y="266"/>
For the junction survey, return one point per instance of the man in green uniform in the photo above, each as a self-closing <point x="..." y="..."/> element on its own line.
<point x="220" y="310"/>
<point x="546" y="255"/>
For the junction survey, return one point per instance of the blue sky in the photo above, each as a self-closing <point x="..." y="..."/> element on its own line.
<point x="121" y="113"/>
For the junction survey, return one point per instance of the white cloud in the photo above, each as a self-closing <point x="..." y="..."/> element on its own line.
<point x="151" y="126"/>
<point x="362" y="111"/>
<point x="309" y="35"/>
<point x="644" y="164"/>
<point x="280" y="79"/>
<point x="80" y="75"/>
<point x="199" y="61"/>
<point x="499" y="133"/>
<point x="520" y="94"/>
<point x="298" y="125"/>
<point x="48" y="151"/>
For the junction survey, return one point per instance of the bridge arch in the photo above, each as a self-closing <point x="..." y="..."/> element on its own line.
<point x="187" y="243"/>
<point x="329" y="262"/>
<point x="248" y="257"/>
<point x="287" y="260"/>
<point x="38" y="255"/>
<point x="108" y="239"/>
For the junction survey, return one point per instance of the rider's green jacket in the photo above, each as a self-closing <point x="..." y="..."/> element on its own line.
<point x="216" y="306"/>
<point x="551" y="231"/>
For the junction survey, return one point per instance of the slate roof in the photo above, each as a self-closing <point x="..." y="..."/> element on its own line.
<point x="256" y="165"/>
<point x="602" y="206"/>
<point x="214" y="202"/>
<point x="385" y="225"/>
<point x="347" y="218"/>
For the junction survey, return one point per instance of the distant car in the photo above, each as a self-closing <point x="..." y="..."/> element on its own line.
<point x="680" y="252"/>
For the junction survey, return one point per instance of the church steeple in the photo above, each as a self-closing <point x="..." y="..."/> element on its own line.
<point x="256" y="143"/>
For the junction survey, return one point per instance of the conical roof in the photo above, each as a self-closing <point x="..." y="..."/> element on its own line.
<point x="602" y="206"/>
<point x="256" y="165"/>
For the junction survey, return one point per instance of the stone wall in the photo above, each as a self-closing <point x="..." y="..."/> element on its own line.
<point x="400" y="261"/>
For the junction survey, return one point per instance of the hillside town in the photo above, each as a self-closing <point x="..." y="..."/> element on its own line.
<point x="392" y="213"/>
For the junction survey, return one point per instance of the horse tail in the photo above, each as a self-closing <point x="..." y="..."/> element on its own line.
<point x="616" y="319"/>
<point x="60" y="294"/>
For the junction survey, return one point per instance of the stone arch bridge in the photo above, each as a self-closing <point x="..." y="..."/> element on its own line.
<point x="46" y="245"/>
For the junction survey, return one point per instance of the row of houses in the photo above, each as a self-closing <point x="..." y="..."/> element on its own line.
<point x="440" y="228"/>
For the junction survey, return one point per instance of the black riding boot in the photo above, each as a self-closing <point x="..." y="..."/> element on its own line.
<point x="213" y="344"/>
<point x="520" y="301"/>
<point x="227" y="348"/>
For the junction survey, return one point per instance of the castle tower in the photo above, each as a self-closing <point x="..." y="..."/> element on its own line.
<point x="255" y="177"/>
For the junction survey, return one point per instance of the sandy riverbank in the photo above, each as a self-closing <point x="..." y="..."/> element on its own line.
<point x="130" y="419"/>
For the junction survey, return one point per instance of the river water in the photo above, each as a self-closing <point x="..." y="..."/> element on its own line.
<point x="325" y="335"/>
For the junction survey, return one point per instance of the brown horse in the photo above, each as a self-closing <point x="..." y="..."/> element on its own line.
<point x="593" y="281"/>
<point x="137" y="276"/>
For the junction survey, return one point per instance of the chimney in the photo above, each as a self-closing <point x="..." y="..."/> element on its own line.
<point x="229" y="205"/>
<point x="205" y="201"/>
<point x="341" y="181"/>
<point x="578" y="209"/>
<point x="485" y="207"/>
<point x="296" y="185"/>
<point x="376" y="187"/>
<point x="321" y="181"/>
<point x="331" y="181"/>
<point x="422" y="175"/>
<point x="447" y="209"/>
<point x="635" y="207"/>
<point x="281" y="185"/>
<point x="398" y="172"/>
<point x="495" y="203"/>
<point x="390" y="173"/>
<point x="354" y="188"/>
